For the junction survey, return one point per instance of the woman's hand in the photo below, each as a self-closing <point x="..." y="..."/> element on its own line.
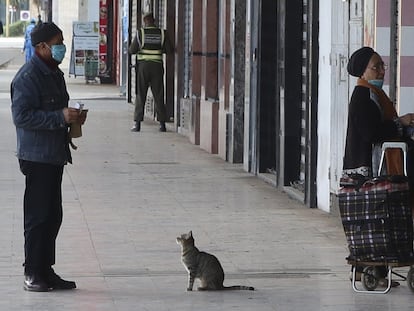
<point x="407" y="119"/>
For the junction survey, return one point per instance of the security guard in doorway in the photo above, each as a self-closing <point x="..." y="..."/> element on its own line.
<point x="150" y="42"/>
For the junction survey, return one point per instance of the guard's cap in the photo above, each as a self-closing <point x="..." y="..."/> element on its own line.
<point x="148" y="14"/>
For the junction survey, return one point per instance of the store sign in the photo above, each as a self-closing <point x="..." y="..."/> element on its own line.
<point x="24" y="15"/>
<point x="103" y="37"/>
<point x="85" y="49"/>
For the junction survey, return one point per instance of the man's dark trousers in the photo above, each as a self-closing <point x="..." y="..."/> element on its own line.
<point x="42" y="213"/>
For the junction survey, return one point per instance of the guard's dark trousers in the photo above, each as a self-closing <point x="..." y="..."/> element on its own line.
<point x="42" y="214"/>
<point x="150" y="74"/>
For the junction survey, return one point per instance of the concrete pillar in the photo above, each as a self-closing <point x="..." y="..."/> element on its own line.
<point x="225" y="119"/>
<point x="170" y="61"/>
<point x="209" y="74"/>
<point x="196" y="72"/>
<point x="237" y="89"/>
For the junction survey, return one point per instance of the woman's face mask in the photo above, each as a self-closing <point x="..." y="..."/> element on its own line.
<point x="377" y="82"/>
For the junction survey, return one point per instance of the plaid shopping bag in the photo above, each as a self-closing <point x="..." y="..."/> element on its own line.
<point x="401" y="224"/>
<point x="377" y="219"/>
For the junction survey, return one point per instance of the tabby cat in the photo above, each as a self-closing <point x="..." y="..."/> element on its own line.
<point x="203" y="266"/>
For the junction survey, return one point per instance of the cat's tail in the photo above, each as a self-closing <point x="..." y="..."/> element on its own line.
<point x="238" y="287"/>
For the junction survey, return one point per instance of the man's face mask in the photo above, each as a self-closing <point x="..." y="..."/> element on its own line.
<point x="58" y="52"/>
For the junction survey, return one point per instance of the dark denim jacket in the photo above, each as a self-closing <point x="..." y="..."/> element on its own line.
<point x="38" y="96"/>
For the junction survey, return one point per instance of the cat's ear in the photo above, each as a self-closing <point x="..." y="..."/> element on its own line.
<point x="190" y="234"/>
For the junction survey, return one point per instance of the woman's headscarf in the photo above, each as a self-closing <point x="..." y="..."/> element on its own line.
<point x="359" y="60"/>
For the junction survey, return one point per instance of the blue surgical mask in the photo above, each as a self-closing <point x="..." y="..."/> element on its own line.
<point x="378" y="83"/>
<point x="58" y="52"/>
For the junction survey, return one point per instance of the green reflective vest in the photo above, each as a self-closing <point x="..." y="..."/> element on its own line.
<point x="152" y="43"/>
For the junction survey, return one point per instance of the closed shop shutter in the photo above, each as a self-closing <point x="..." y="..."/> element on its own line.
<point x="305" y="37"/>
<point x="187" y="48"/>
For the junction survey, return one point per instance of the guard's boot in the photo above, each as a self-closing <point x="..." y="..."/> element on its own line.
<point x="136" y="127"/>
<point x="162" y="127"/>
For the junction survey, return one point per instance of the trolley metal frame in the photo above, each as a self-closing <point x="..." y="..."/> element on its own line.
<point x="370" y="279"/>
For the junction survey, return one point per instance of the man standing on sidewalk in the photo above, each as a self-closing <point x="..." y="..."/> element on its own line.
<point x="42" y="117"/>
<point x="150" y="42"/>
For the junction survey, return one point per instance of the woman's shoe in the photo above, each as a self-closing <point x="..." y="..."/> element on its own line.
<point x="357" y="276"/>
<point x="384" y="283"/>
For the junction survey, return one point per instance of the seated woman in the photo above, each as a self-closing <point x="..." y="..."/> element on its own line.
<point x="372" y="119"/>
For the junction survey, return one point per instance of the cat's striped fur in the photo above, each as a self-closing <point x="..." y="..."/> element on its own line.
<point x="203" y="266"/>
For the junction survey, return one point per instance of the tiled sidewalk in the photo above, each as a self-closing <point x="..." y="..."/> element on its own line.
<point x="126" y="198"/>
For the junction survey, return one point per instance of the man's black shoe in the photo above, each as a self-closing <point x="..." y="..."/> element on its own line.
<point x="57" y="283"/>
<point x="162" y="127"/>
<point x="136" y="127"/>
<point x="34" y="283"/>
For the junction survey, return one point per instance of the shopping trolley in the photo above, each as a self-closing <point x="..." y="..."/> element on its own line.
<point x="377" y="220"/>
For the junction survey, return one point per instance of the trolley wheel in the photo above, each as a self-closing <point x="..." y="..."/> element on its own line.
<point x="410" y="279"/>
<point x="369" y="278"/>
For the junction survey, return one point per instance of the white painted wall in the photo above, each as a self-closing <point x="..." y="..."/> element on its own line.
<point x="67" y="12"/>
<point x="64" y="14"/>
<point x="339" y="27"/>
<point x="324" y="105"/>
<point x="93" y="10"/>
<point x="88" y="11"/>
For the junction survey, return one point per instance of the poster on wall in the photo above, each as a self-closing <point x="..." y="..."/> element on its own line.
<point x="85" y="49"/>
<point x="103" y="37"/>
